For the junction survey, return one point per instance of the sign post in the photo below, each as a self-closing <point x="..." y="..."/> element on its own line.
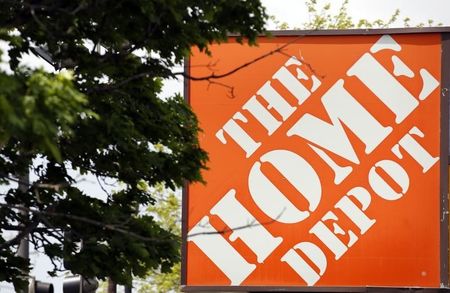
<point x="328" y="163"/>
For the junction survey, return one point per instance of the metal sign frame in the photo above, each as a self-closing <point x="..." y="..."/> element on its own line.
<point x="444" y="167"/>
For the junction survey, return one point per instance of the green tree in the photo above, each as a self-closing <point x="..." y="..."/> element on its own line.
<point x="101" y="114"/>
<point x="167" y="213"/>
<point x="323" y="17"/>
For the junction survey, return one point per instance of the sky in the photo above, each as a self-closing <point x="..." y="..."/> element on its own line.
<point x="295" y="14"/>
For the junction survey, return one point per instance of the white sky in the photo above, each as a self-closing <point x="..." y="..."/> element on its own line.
<point x="294" y="12"/>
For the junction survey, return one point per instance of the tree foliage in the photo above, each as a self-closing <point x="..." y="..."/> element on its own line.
<point x="167" y="212"/>
<point x="101" y="113"/>
<point x="324" y="17"/>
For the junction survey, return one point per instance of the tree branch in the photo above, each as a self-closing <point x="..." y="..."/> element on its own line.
<point x="210" y="77"/>
<point x="247" y="226"/>
<point x="84" y="220"/>
<point x="240" y="67"/>
<point x="54" y="186"/>
<point x="23" y="233"/>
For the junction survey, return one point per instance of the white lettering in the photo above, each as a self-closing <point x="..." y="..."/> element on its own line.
<point x="238" y="135"/>
<point x="353" y="212"/>
<point x="220" y="252"/>
<point x="262" y="115"/>
<point x="396" y="172"/>
<point x="384" y="86"/>
<point x="245" y="226"/>
<point x="415" y="150"/>
<point x="301" y="267"/>
<point x="276" y="101"/>
<point x="341" y="106"/>
<point x="271" y="200"/>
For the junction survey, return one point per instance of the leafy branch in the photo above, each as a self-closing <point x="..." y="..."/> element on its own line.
<point x="35" y="222"/>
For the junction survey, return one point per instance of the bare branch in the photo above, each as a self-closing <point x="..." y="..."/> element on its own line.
<point x="102" y="187"/>
<point x="228" y="87"/>
<point x="212" y="76"/>
<point x="246" y="226"/>
<point x="240" y="67"/>
<point x="23" y="233"/>
<point x="54" y="186"/>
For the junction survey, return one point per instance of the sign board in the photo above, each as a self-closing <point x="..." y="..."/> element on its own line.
<point x="328" y="162"/>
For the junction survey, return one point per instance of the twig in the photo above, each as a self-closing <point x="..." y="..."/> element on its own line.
<point x="54" y="186"/>
<point x="226" y="230"/>
<point x="210" y="77"/>
<point x="102" y="187"/>
<point x="23" y="233"/>
<point x="229" y="87"/>
<point x="236" y="69"/>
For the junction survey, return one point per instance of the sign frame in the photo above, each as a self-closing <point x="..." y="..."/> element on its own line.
<point x="444" y="171"/>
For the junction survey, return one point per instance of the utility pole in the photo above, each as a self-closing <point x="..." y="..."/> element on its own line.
<point x="112" y="286"/>
<point x="24" y="246"/>
<point x="129" y="288"/>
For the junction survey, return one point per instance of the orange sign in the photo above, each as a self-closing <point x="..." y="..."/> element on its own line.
<point x="324" y="163"/>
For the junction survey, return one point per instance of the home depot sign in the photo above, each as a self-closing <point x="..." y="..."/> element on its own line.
<point x="324" y="164"/>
